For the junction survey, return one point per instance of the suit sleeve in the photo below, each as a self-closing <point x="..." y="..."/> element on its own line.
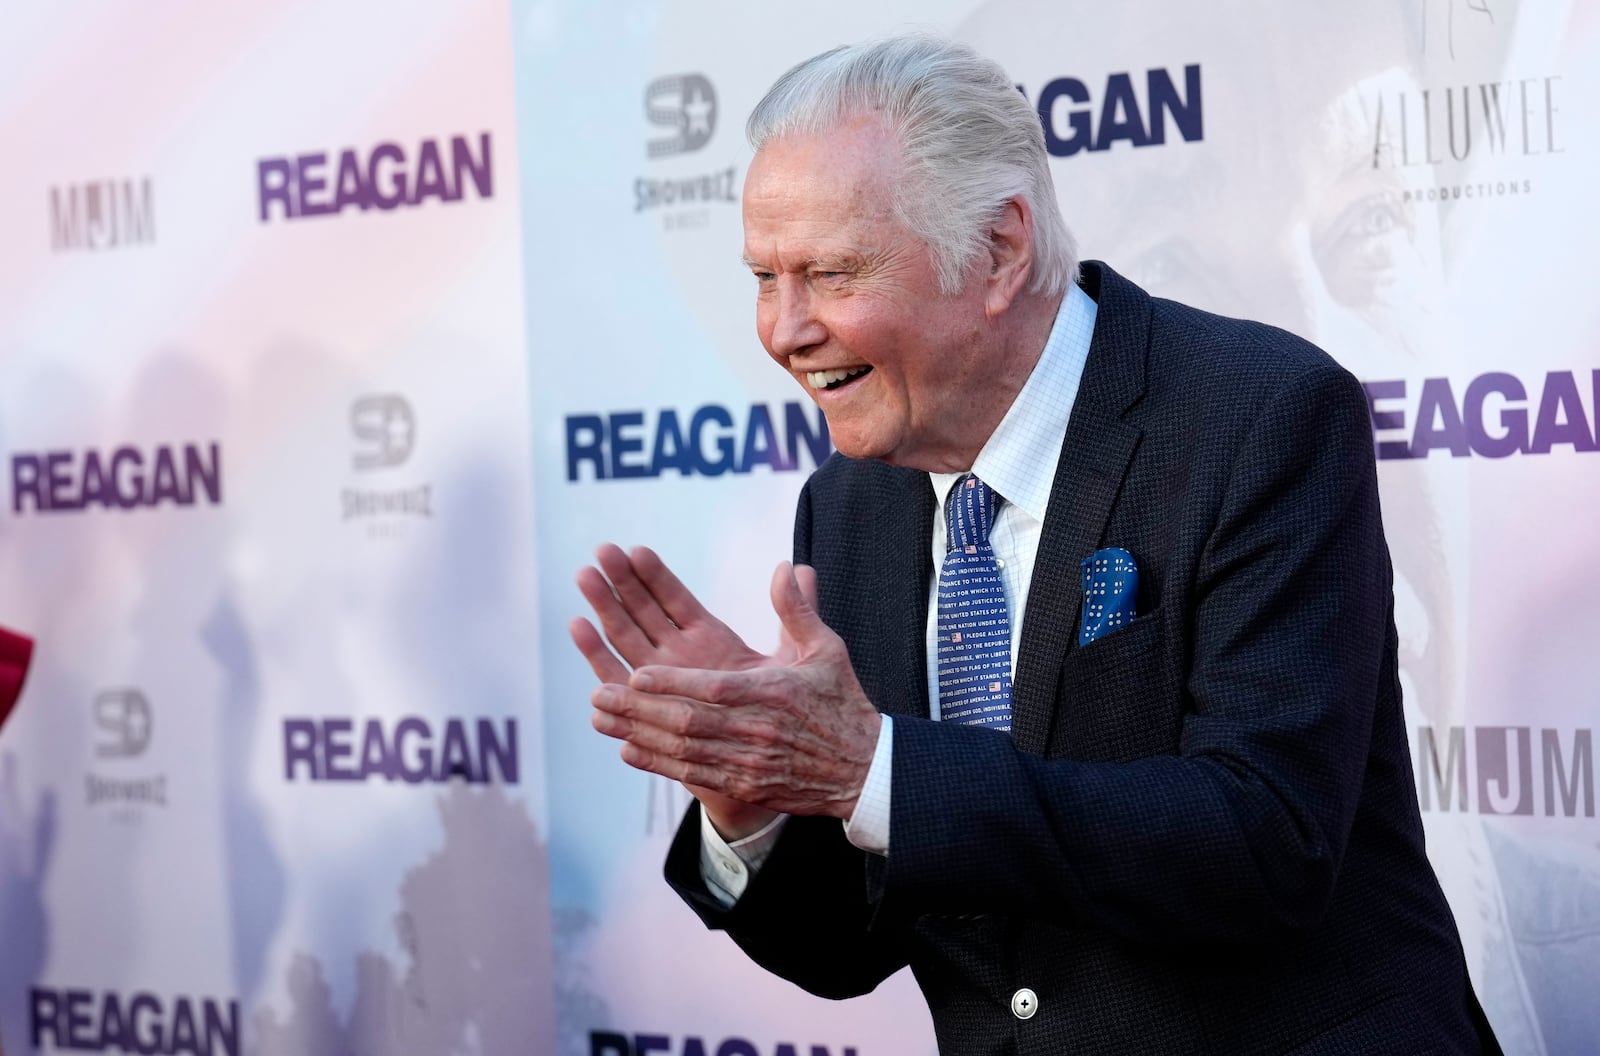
<point x="806" y="915"/>
<point x="1238" y="836"/>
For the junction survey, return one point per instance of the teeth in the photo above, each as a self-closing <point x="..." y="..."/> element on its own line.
<point x="821" y="379"/>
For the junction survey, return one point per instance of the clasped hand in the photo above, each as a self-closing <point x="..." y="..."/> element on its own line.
<point x="749" y="734"/>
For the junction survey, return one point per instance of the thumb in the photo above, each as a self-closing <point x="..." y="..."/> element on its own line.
<point x="806" y="576"/>
<point x="794" y="599"/>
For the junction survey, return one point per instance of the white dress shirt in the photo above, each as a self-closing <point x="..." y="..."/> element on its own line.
<point x="1018" y="462"/>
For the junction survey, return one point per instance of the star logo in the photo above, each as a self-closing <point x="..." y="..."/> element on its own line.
<point x="399" y="429"/>
<point x="699" y="110"/>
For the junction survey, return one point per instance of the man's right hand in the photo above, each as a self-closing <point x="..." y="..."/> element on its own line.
<point x="650" y="618"/>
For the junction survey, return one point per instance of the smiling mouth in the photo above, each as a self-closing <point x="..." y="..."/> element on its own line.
<point x="833" y="379"/>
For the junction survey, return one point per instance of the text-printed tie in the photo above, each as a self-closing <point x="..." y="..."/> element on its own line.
<point x="974" y="629"/>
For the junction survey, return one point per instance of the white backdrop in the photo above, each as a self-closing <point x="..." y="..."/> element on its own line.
<point x="370" y="557"/>
<point x="431" y="401"/>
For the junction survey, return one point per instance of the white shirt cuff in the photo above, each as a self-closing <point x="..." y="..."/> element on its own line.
<point x="868" y="827"/>
<point x="727" y="867"/>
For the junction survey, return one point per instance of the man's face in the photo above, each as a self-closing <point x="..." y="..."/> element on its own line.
<point x="848" y="301"/>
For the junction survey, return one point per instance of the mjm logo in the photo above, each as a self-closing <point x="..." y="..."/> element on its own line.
<point x="102" y="214"/>
<point x="1507" y="767"/>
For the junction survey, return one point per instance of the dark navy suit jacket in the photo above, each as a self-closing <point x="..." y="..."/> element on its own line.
<point x="1201" y="834"/>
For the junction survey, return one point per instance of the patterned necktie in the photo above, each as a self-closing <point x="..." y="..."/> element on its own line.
<point x="974" y="630"/>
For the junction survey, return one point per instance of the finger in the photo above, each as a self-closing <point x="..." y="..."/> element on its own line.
<point x="606" y="667"/>
<point x="689" y="729"/>
<point x="621" y="630"/>
<point x="796" y="609"/>
<point x="806" y="576"/>
<point x="687" y="717"/>
<point x="641" y="605"/>
<point x="654" y="739"/>
<point x="685" y="729"/>
<point x="675" y="599"/>
<point x="725" y="688"/>
<point x="698" y="774"/>
<point x="707" y="763"/>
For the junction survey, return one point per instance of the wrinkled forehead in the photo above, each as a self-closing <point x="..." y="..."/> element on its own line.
<point x="856" y="150"/>
<point x="845" y="173"/>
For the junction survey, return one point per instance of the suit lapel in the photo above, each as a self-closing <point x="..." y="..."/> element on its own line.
<point x="1094" y="459"/>
<point x="904" y="565"/>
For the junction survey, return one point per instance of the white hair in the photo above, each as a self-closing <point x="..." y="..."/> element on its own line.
<point x="970" y="143"/>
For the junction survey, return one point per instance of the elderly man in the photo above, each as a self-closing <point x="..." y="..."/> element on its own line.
<point x="1116" y="740"/>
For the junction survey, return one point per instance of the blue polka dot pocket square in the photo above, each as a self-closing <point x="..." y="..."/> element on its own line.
<point x="1110" y="586"/>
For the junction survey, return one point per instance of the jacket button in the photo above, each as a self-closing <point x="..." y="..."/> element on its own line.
<point x="1024" y="1003"/>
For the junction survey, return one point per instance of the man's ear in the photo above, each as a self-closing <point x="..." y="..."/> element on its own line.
<point x="1010" y="255"/>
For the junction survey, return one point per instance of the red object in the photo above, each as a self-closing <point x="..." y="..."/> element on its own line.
<point x="15" y="652"/>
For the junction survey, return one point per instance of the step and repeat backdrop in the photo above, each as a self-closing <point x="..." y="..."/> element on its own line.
<point x="334" y="337"/>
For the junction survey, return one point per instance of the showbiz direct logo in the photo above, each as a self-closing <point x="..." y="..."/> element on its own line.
<point x="685" y="103"/>
<point x="387" y="429"/>
<point x="124" y="714"/>
<point x="127" y="724"/>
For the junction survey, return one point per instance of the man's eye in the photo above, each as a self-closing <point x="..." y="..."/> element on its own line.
<point x="1367" y="249"/>
<point x="1371" y="218"/>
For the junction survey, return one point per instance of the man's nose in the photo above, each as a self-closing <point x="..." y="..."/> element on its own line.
<point x="796" y="326"/>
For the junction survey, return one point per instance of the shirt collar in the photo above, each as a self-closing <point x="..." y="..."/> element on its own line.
<point x="1019" y="458"/>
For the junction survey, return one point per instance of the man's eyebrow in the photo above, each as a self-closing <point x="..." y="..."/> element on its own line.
<point x="834" y="261"/>
<point x="827" y="262"/>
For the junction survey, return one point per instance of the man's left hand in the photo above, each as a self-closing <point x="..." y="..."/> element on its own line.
<point x="794" y="737"/>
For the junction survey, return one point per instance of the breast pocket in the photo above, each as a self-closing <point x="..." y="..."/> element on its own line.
<point x="1120" y="697"/>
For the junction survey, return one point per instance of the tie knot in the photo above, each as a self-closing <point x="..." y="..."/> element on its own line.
<point x="969" y="513"/>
